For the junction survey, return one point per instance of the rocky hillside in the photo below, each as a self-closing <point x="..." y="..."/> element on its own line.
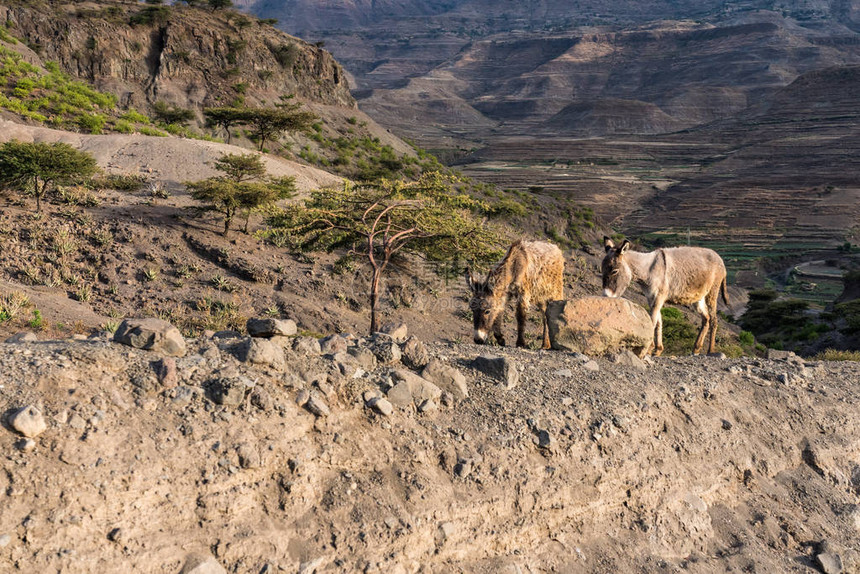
<point x="183" y="56"/>
<point x="292" y="454"/>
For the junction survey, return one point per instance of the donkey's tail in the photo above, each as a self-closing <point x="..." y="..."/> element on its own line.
<point x="725" y="292"/>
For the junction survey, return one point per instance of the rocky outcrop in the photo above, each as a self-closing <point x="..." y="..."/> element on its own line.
<point x="190" y="58"/>
<point x="597" y="325"/>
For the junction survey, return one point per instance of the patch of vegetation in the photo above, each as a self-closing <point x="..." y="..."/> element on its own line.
<point x="35" y="168"/>
<point x="837" y="355"/>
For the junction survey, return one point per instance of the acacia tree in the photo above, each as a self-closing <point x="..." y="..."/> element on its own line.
<point x="428" y="217"/>
<point x="35" y="167"/>
<point x="234" y="192"/>
<point x="265" y="123"/>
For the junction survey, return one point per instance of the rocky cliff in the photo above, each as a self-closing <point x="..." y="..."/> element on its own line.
<point x="186" y="57"/>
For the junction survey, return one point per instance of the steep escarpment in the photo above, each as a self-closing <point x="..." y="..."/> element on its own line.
<point x="186" y="57"/>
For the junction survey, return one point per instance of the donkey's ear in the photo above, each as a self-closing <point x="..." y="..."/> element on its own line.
<point x="625" y="245"/>
<point x="607" y="243"/>
<point x="470" y="280"/>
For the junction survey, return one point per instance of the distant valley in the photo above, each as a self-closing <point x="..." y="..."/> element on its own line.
<point x="733" y="122"/>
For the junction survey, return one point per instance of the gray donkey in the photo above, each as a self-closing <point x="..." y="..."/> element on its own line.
<point x="681" y="275"/>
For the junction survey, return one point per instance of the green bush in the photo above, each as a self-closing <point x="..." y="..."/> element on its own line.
<point x="679" y="335"/>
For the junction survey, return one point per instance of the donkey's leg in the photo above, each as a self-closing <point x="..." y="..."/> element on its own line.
<point x="657" y="321"/>
<point x="702" y="308"/>
<point x="546" y="344"/>
<point x="712" y="309"/>
<point x="497" y="330"/>
<point x="521" y="323"/>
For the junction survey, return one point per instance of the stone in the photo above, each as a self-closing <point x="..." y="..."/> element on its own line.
<point x="316" y="405"/>
<point x="270" y="327"/>
<point x="262" y="352"/>
<point x="381" y="406"/>
<point x="726" y="424"/>
<point x="410" y="389"/>
<point x="202" y="564"/>
<point x="310" y="566"/>
<point x="627" y="358"/>
<point x="307" y="346"/>
<point x="778" y="355"/>
<point x="446" y="530"/>
<point x="5" y="539"/>
<point x="544" y="439"/>
<point x="829" y="562"/>
<point x="22" y="337"/>
<point x="428" y="406"/>
<point x="116" y="535"/>
<point x="446" y="377"/>
<point x="364" y="357"/>
<point x="151" y="334"/>
<point x="414" y="354"/>
<point x="165" y="370"/>
<point x="397" y="331"/>
<point x="563" y="373"/>
<point x="229" y="391"/>
<point x="248" y="456"/>
<point x="261" y="399"/>
<point x="226" y="334"/>
<point x="28" y="421"/>
<point x="591" y="365"/>
<point x="599" y="325"/>
<point x="501" y="369"/>
<point x="333" y="344"/>
<point x="386" y="350"/>
<point x="302" y="397"/>
<point x="25" y="445"/>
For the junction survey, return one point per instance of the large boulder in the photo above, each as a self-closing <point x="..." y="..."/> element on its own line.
<point x="599" y="325"/>
<point x="151" y="334"/>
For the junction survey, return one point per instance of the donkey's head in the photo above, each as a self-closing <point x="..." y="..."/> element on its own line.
<point x="616" y="270"/>
<point x="486" y="305"/>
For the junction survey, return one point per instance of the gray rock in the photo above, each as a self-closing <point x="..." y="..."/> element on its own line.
<point x="501" y="369"/>
<point x="116" y="535"/>
<point x="544" y="439"/>
<point x="333" y="344"/>
<point x="270" y="327"/>
<point x="385" y="349"/>
<point x="28" y="421"/>
<point x="316" y="405"/>
<point x="226" y="334"/>
<point x="307" y="346"/>
<point x="182" y="395"/>
<point x="5" y="539"/>
<point x="829" y="562"/>
<point x="152" y="335"/>
<point x="597" y="325"/>
<point x="397" y="331"/>
<point x="364" y="357"/>
<point x="310" y="566"/>
<point x="262" y="352"/>
<point x="25" y="445"/>
<point x="627" y="358"/>
<point x="302" y="397"/>
<point x="248" y="456"/>
<point x="261" y="399"/>
<point x="446" y="377"/>
<point x="202" y="564"/>
<point x="165" y="370"/>
<point x="229" y="391"/>
<point x="370" y="395"/>
<point x="23" y="337"/>
<point x="592" y="366"/>
<point x="563" y="373"/>
<point x="381" y="406"/>
<point x="428" y="406"/>
<point x="778" y="355"/>
<point x="414" y="354"/>
<point x="411" y="389"/>
<point x="721" y="356"/>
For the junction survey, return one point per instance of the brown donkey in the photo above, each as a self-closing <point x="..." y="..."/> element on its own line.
<point x="532" y="272"/>
<point x="681" y="275"/>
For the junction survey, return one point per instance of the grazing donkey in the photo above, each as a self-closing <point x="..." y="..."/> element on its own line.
<point x="681" y="275"/>
<point x="532" y="272"/>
